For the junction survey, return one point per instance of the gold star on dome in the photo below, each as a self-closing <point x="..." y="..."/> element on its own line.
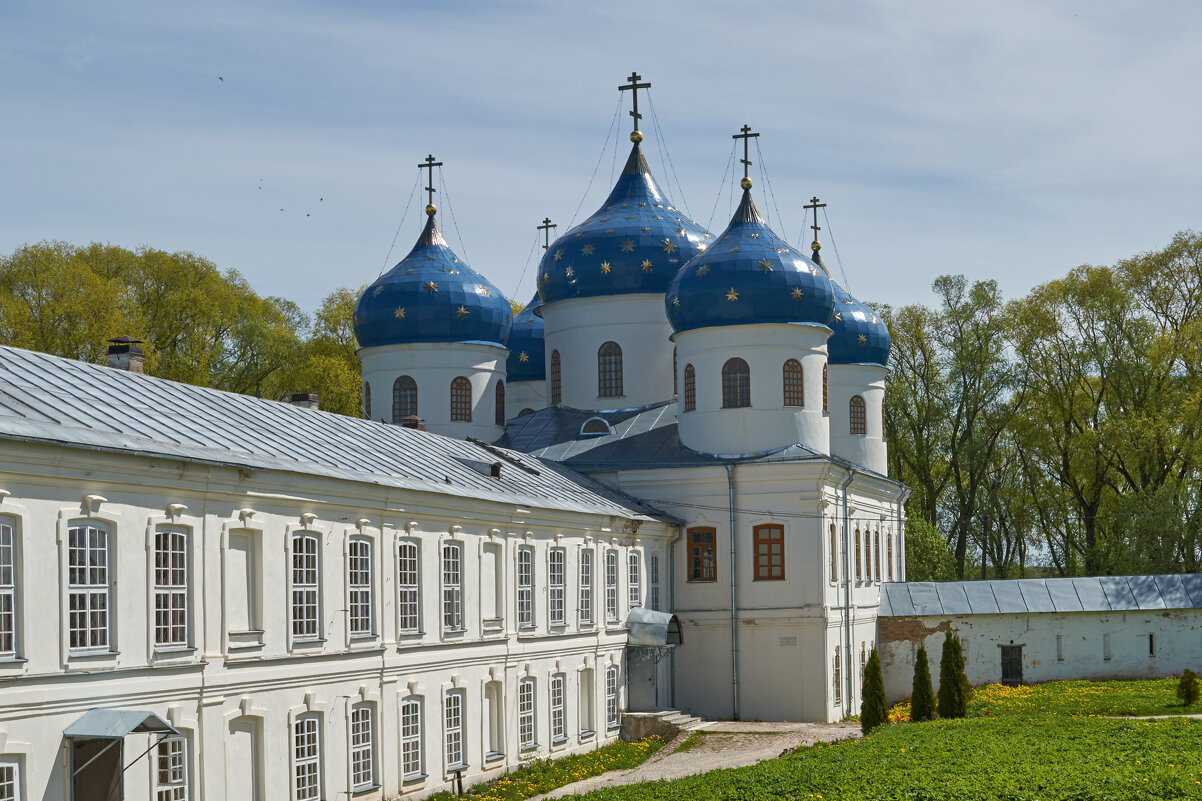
<point x="847" y="302"/>
<point x="732" y="294"/>
<point x="429" y="258"/>
<point x="702" y="246"/>
<point x="641" y="205"/>
<point x="580" y="235"/>
<point x="399" y="313"/>
<point x="625" y="205"/>
<point x="645" y="230"/>
<point x="764" y="265"/>
<point x="546" y="277"/>
<point x="680" y="231"/>
<point x="627" y="245"/>
<point x="863" y="339"/>
<point x="431" y="286"/>
<point x="838" y="317"/>
<point x="609" y="232"/>
<point x="708" y="235"/>
<point x="874" y="320"/>
<point x="558" y="255"/>
<point x="797" y="293"/>
<point x="569" y="272"/>
<point x="703" y="269"/>
<point x="656" y="217"/>
<point x="410" y="271"/>
<point x="605" y="219"/>
<point x="483" y="290"/>
<point x="736" y="250"/>
<point x="630" y="216"/>
<point x="668" y="245"/>
<point x="377" y="291"/>
<point x="755" y="236"/>
<point x="523" y="357"/>
<point x="588" y="249"/>
<point x="606" y="267"/>
<point x="676" y="302"/>
<point x="462" y="312"/>
<point x="646" y="265"/>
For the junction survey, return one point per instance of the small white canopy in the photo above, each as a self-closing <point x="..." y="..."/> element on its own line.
<point x="649" y="628"/>
<point x="114" y="724"/>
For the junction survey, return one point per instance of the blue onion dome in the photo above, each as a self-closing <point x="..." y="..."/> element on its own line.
<point x="634" y="243"/>
<point x="860" y="336"/>
<point x="431" y="296"/>
<point x="749" y="275"/>
<point x="526" y="348"/>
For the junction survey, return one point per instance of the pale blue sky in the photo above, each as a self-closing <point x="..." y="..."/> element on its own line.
<point x="1009" y="140"/>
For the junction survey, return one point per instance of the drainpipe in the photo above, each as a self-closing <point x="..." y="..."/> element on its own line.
<point x="734" y="598"/>
<point x="672" y="610"/>
<point x="901" y="533"/>
<point x="847" y="579"/>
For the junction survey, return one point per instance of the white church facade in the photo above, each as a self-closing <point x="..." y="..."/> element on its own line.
<point x="681" y="433"/>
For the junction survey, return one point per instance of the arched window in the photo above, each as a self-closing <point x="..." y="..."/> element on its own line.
<point x="404" y="398"/>
<point x="673" y="372"/>
<point x="556" y="386"/>
<point x="826" y="406"/>
<point x="859" y="558"/>
<point x="857" y="416"/>
<point x="690" y="388"/>
<point x="834" y="555"/>
<point x="499" y="414"/>
<point x="525" y="412"/>
<point x="736" y="384"/>
<point x="461" y="400"/>
<point x="609" y="370"/>
<point x="366" y="401"/>
<point x="794" y="383"/>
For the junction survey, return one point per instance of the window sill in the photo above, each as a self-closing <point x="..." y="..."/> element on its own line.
<point x="233" y="647"/>
<point x="559" y="742"/>
<point x="701" y="581"/>
<point x="414" y="778"/>
<point x="365" y="789"/>
<point x="354" y="638"/>
<point x="308" y="644"/>
<point x="11" y="661"/>
<point x="493" y="756"/>
<point x="94" y="653"/>
<point x="587" y="735"/>
<point x="174" y="650"/>
<point x="612" y="727"/>
<point x="528" y="749"/>
<point x="453" y="769"/>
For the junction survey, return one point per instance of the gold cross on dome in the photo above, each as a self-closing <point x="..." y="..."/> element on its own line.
<point x="546" y="228"/>
<point x="429" y="166"/>
<point x="634" y="86"/>
<point x="815" y="205"/>
<point x="746" y="135"/>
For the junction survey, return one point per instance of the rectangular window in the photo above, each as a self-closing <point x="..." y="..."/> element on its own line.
<point x="833" y="548"/>
<point x="702" y="558"/>
<point x="452" y="586"/>
<point x="587" y="698"/>
<point x="411" y="737"/>
<point x="558" y="724"/>
<point x="889" y="553"/>
<point x="556" y="570"/>
<point x="88" y="586"/>
<point x="526" y="714"/>
<point x="653" y="580"/>
<point x="612" y="719"/>
<point x="634" y="587"/>
<point x="305" y="586"/>
<point x="876" y="551"/>
<point x="453" y="723"/>
<point x="363" y="773"/>
<point x="859" y="559"/>
<point x="171" y="588"/>
<point x="171" y="771"/>
<point x="242" y="589"/>
<point x="837" y="679"/>
<point x="769" y="543"/>
<point x="10" y="782"/>
<point x="611" y="585"/>
<point x="408" y="588"/>
<point x="8" y="590"/>
<point x="1059" y="647"/>
<point x="306" y="760"/>
<point x="1151" y="644"/>
<point x="495" y="708"/>
<point x="359" y="581"/>
<point x="525" y="586"/>
<point x="586" y="586"/>
<point x="1106" y="647"/>
<point x="867" y="555"/>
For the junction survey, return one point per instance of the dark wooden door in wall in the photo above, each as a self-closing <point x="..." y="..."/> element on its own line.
<point x="1012" y="665"/>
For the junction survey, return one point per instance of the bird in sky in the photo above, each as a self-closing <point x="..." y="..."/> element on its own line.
<point x="221" y="79"/>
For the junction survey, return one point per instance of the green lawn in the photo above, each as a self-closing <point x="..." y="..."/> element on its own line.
<point x="1045" y="742"/>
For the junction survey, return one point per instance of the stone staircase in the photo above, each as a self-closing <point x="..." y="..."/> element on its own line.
<point x="665" y="723"/>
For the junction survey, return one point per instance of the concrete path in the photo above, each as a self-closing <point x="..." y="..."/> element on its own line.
<point x="726" y="744"/>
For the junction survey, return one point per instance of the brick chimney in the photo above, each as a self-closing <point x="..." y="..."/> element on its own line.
<point x="305" y="400"/>
<point x="125" y="353"/>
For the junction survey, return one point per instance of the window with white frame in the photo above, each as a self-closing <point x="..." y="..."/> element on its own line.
<point x="525" y="586"/>
<point x="88" y="589"/>
<point x="612" y="720"/>
<point x="587" y="700"/>
<point x="306" y="759"/>
<point x="556" y="578"/>
<point x="634" y="587"/>
<point x="453" y="724"/>
<point x="558" y="724"/>
<point x="8" y="589"/>
<point x="411" y="737"/>
<point x="358" y="580"/>
<point x="363" y="769"/>
<point x="586" y="586"/>
<point x="408" y="588"/>
<point x="611" y="585"/>
<point x="526" y="714"/>
<point x="171" y="588"/>
<point x="171" y="770"/>
<point x="306" y="588"/>
<point x="452" y="586"/>
<point x="10" y="780"/>
<point x="653" y="580"/>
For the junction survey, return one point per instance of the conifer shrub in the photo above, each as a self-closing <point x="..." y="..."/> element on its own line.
<point x="954" y="689"/>
<point x="1187" y="688"/>
<point x="873" y="710"/>
<point x="922" y="697"/>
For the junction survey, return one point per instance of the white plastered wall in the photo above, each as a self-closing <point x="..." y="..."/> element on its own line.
<point x="521" y="395"/>
<point x="868" y="381"/>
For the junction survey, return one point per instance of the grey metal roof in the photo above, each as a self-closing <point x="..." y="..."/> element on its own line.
<point x="113" y="724"/>
<point x="1086" y="594"/>
<point x="645" y="437"/>
<point x="61" y="401"/>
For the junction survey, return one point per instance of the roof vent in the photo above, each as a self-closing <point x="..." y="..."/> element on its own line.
<point x="595" y="427"/>
<point x="494" y="471"/>
<point x="413" y="421"/>
<point x="305" y="400"/>
<point x="125" y="354"/>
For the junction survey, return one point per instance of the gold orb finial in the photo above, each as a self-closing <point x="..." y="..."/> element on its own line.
<point x="745" y="183"/>
<point x="431" y="209"/>
<point x="815" y="246"/>
<point x="636" y="136"/>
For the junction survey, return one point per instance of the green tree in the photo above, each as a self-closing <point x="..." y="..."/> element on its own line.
<point x="1187" y="688"/>
<point x="927" y="554"/>
<point x="327" y="364"/>
<point x="954" y="689"/>
<point x="873" y="710"/>
<point x="922" y="697"/>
